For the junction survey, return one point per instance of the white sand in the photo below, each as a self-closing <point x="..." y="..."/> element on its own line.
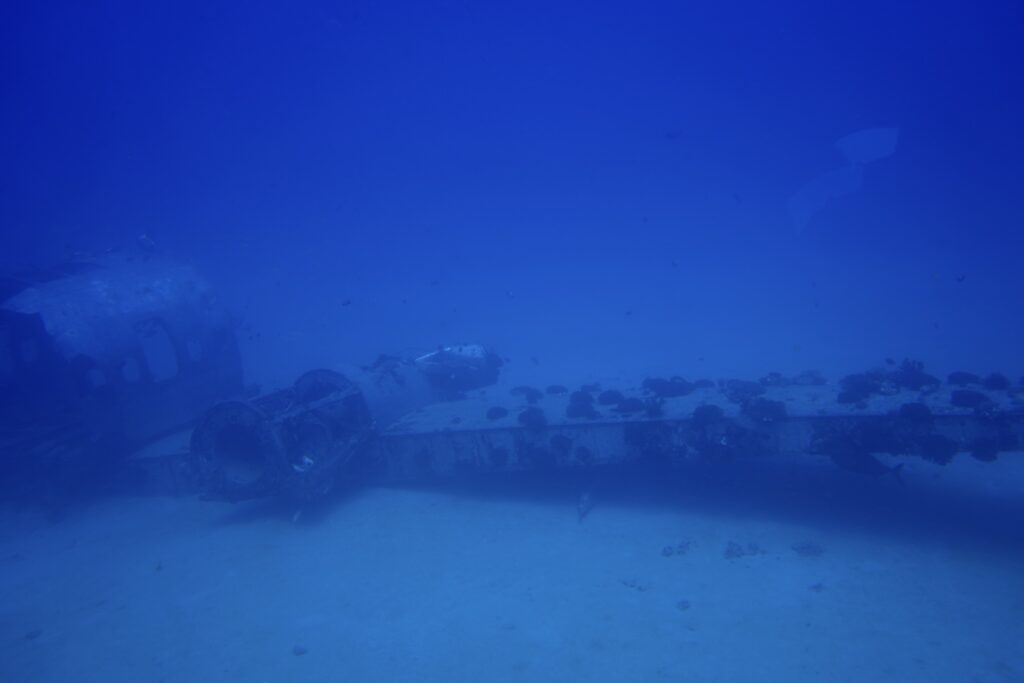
<point x="399" y="585"/>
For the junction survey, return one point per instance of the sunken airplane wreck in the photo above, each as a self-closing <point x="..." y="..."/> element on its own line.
<point x="297" y="443"/>
<point x="108" y="359"/>
<point x="124" y="369"/>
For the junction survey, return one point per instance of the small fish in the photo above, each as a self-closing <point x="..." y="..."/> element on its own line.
<point x="583" y="506"/>
<point x="146" y="243"/>
<point x="866" y="464"/>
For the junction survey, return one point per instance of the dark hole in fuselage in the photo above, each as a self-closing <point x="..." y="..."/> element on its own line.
<point x="239" y="454"/>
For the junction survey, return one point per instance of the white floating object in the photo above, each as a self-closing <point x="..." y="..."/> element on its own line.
<point x="859" y="149"/>
<point x="870" y="144"/>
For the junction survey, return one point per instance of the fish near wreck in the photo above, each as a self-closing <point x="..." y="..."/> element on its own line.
<point x="583" y="506"/>
<point x="852" y="458"/>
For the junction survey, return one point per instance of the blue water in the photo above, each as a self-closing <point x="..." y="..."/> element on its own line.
<point x="598" y="191"/>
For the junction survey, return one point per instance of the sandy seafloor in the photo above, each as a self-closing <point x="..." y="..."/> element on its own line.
<point x="504" y="584"/>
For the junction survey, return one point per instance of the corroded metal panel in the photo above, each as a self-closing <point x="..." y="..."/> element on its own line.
<point x="492" y="433"/>
<point x="470" y="436"/>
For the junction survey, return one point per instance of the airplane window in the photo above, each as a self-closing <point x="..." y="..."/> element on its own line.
<point x="96" y="378"/>
<point x="195" y="350"/>
<point x="6" y="354"/>
<point x="158" y="350"/>
<point x="130" y="371"/>
<point x="29" y="351"/>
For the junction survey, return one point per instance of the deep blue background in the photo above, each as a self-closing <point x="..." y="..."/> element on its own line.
<point x="600" y="186"/>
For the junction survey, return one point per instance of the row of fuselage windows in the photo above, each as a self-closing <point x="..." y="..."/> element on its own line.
<point x="157" y="360"/>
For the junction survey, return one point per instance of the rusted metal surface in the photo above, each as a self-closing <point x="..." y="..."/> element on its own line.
<point x="295" y="442"/>
<point x="494" y="432"/>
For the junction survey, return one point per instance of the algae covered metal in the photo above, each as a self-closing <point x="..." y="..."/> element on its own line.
<point x="859" y="427"/>
<point x="709" y="423"/>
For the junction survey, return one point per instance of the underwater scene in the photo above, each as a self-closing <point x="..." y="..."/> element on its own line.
<point x="535" y="341"/>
